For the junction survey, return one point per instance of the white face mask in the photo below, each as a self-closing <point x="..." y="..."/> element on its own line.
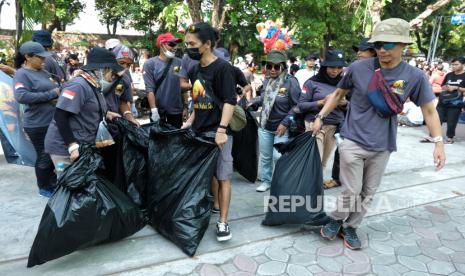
<point x="169" y="54"/>
<point x="104" y="84"/>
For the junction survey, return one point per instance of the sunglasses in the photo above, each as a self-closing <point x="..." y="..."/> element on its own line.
<point x="270" y="66"/>
<point x="385" y="45"/>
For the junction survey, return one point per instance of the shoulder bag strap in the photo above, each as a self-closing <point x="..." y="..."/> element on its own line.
<point x="165" y="73"/>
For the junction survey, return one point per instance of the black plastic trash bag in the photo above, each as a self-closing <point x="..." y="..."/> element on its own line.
<point x="245" y="149"/>
<point x="181" y="167"/>
<point x="296" y="194"/>
<point x="85" y="210"/>
<point x="134" y="156"/>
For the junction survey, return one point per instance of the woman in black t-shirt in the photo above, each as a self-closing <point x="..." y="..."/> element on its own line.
<point x="453" y="84"/>
<point x="213" y="77"/>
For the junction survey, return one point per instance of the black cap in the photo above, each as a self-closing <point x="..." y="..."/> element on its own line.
<point x="363" y="46"/>
<point x="99" y="58"/>
<point x="43" y="37"/>
<point x="34" y="48"/>
<point x="334" y="58"/>
<point x="310" y="57"/>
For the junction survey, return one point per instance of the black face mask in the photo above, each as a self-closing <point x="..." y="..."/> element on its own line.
<point x="194" y="53"/>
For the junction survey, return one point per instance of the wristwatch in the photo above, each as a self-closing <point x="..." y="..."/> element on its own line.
<point x="319" y="116"/>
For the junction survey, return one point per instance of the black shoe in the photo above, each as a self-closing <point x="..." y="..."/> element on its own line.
<point x="215" y="210"/>
<point x="330" y="230"/>
<point x="351" y="239"/>
<point x="222" y="231"/>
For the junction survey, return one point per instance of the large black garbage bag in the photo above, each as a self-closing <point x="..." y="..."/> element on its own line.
<point x="296" y="194"/>
<point x="113" y="165"/>
<point x="181" y="167"/>
<point x="134" y="156"/>
<point x="85" y="210"/>
<point x="245" y="149"/>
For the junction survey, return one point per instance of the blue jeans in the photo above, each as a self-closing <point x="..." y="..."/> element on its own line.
<point x="268" y="154"/>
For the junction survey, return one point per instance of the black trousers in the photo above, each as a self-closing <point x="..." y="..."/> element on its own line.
<point x="44" y="169"/>
<point x="449" y="115"/>
<point x="174" y="120"/>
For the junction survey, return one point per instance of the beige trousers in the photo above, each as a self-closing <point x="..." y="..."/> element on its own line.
<point x="360" y="175"/>
<point x="325" y="141"/>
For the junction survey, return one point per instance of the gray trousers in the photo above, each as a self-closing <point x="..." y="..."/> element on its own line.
<point x="361" y="173"/>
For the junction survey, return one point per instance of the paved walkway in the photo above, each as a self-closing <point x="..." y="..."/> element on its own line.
<point x="415" y="225"/>
<point x="428" y="240"/>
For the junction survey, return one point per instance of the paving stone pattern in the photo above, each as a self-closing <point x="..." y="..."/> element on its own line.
<point x="410" y="243"/>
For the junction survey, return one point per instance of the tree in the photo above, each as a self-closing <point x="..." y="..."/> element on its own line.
<point x="111" y="13"/>
<point x="195" y="10"/>
<point x="417" y="21"/>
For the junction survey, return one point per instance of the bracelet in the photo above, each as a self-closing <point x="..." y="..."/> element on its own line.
<point x="223" y="127"/>
<point x="319" y="116"/>
<point x="437" y="139"/>
<point x="72" y="148"/>
<point x="126" y="112"/>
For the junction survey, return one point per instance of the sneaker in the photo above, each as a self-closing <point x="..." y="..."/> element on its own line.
<point x="45" y="193"/>
<point x="330" y="230"/>
<point x="351" y="240"/>
<point x="215" y="210"/>
<point x="263" y="187"/>
<point x="222" y="231"/>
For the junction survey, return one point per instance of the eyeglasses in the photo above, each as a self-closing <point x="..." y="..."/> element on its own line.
<point x="270" y="66"/>
<point x="385" y="45"/>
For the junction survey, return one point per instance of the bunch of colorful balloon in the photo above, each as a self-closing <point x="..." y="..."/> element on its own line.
<point x="273" y="35"/>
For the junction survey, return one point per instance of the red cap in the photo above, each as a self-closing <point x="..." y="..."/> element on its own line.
<point x="167" y="38"/>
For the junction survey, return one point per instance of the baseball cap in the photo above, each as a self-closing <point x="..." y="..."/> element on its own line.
<point x="311" y="57"/>
<point x="99" y="58"/>
<point x="167" y="38"/>
<point x="112" y="43"/>
<point x="34" y="48"/>
<point x="392" y="30"/>
<point x="363" y="46"/>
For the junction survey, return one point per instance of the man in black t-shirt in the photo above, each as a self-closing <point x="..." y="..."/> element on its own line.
<point x="453" y="87"/>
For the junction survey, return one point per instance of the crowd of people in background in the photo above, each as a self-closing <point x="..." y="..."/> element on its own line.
<point x="68" y="94"/>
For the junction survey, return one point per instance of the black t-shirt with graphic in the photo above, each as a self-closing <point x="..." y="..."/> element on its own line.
<point x="219" y="77"/>
<point x="454" y="79"/>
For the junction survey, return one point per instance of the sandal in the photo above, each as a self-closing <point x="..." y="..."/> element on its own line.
<point x="426" y="139"/>
<point x="328" y="184"/>
<point x="449" y="141"/>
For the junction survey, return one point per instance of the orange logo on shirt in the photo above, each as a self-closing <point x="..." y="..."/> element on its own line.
<point x="198" y="90"/>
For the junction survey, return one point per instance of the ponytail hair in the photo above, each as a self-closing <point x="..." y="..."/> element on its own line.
<point x="19" y="60"/>
<point x="205" y="32"/>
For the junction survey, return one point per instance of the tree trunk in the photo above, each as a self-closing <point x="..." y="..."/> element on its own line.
<point x="108" y="23"/>
<point x="195" y="10"/>
<point x="375" y="12"/>
<point x="56" y="24"/>
<point x="115" y="25"/>
<point x="217" y="11"/>
<point x="19" y="22"/>
<point x="420" y="46"/>
<point x="415" y="23"/>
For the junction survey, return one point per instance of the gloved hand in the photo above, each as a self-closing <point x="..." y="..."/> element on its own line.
<point x="155" y="116"/>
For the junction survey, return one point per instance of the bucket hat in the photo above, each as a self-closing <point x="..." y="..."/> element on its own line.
<point x="99" y="58"/>
<point x="276" y="57"/>
<point x="392" y="30"/>
<point x="334" y="58"/>
<point x="43" y="37"/>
